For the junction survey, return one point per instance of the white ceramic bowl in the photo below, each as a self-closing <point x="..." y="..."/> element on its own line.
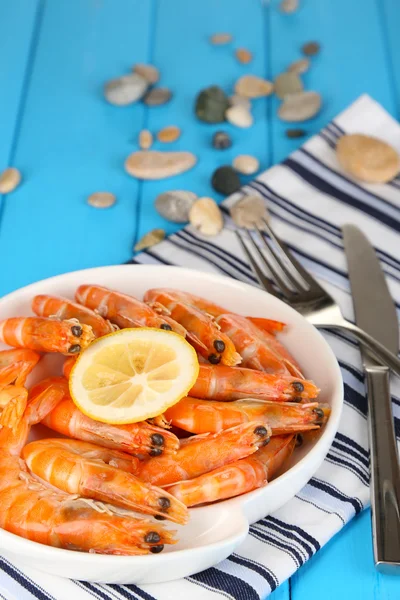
<point x="213" y="531"/>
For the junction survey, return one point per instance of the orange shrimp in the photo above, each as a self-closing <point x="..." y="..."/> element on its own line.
<point x="63" y="309"/>
<point x="68" y="365"/>
<point x="259" y="349"/>
<point x="139" y="439"/>
<point x="15" y="366"/>
<point x="238" y="477"/>
<point x="33" y="510"/>
<point x="205" y="336"/>
<point x="230" y="383"/>
<point x="123" y="310"/>
<point x="202" y="453"/>
<point x="46" y="335"/>
<point x="202" y="416"/>
<point x="107" y="475"/>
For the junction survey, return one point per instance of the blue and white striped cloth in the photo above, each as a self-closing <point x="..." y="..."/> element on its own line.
<point x="309" y="198"/>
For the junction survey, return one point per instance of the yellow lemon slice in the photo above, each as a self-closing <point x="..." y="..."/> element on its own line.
<point x="132" y="375"/>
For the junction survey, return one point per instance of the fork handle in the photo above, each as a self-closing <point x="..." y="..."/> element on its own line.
<point x="385" y="472"/>
<point x="378" y="350"/>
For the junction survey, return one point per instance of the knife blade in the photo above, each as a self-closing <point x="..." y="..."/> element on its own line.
<point x="375" y="312"/>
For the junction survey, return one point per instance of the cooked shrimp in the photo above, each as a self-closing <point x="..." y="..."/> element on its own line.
<point x="203" y="416"/>
<point x="46" y="335"/>
<point x="35" y="511"/>
<point x="205" y="335"/>
<point x="63" y="309"/>
<point x="67" y="366"/>
<point x="15" y="366"/>
<point x="259" y="349"/>
<point x="230" y="383"/>
<point x="238" y="477"/>
<point x="202" y="453"/>
<point x="107" y="475"/>
<point x="141" y="439"/>
<point x="123" y="310"/>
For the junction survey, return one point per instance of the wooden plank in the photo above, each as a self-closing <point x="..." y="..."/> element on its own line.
<point x="352" y="60"/>
<point x="188" y="63"/>
<point x="72" y="143"/>
<point x="344" y="569"/>
<point x="17" y="26"/>
<point x="390" y="19"/>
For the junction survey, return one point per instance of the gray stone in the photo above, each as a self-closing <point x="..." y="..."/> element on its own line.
<point x="287" y="83"/>
<point x="221" y="140"/>
<point x="175" y="205"/>
<point x="300" y="107"/>
<point x="157" y="96"/>
<point x="125" y="90"/>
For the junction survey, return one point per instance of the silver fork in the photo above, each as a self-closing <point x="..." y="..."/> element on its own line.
<point x="301" y="291"/>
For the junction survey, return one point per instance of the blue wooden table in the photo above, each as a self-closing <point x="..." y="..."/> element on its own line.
<point x="68" y="143"/>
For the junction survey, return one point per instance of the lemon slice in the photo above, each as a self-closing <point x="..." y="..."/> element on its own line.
<point x="132" y="375"/>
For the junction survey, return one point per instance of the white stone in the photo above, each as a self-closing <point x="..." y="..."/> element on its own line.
<point x="239" y="116"/>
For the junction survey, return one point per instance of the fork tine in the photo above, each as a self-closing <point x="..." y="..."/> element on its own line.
<point x="308" y="278"/>
<point x="258" y="272"/>
<point x="278" y="259"/>
<point x="266" y="260"/>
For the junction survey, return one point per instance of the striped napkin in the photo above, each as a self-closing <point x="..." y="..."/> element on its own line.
<point x="309" y="198"/>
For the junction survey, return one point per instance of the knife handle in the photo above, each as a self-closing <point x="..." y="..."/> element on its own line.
<point x="385" y="472"/>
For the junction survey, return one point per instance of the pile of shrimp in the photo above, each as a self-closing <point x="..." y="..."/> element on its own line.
<point x="105" y="488"/>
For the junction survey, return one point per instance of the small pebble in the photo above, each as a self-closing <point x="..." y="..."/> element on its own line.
<point x="219" y="39"/>
<point x="244" y="56"/>
<point x="211" y="105"/>
<point x="289" y="6"/>
<point x="239" y="116"/>
<point x="151" y="164"/>
<point x="225" y="180"/>
<point x="311" y="48"/>
<point x="367" y="158"/>
<point x="221" y="140"/>
<point x="251" y="86"/>
<point x="246" y="164"/>
<point x="153" y="237"/>
<point x="295" y="133"/>
<point x="9" y="180"/>
<point x="250" y="212"/>
<point x="157" y="96"/>
<point x="145" y="139"/>
<point x="102" y="199"/>
<point x="237" y="100"/>
<point x="287" y="83"/>
<point x="206" y="217"/>
<point x="299" y="66"/>
<point x="169" y="134"/>
<point x="175" y="205"/>
<point x="300" y="107"/>
<point x="150" y="73"/>
<point x="125" y="90"/>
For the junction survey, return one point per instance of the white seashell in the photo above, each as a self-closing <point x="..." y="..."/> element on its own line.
<point x="152" y="164"/>
<point x="206" y="216"/>
<point x="250" y="212"/>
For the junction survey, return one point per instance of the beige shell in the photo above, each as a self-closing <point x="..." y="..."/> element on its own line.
<point x="251" y="86"/>
<point x="153" y="237"/>
<point x="102" y="199"/>
<point x="148" y="72"/>
<point x="145" y="139"/>
<point x="368" y="158"/>
<point x="244" y="56"/>
<point x="9" y="179"/>
<point x="206" y="216"/>
<point x="152" y="164"/>
<point x="250" y="212"/>
<point x="168" y="134"/>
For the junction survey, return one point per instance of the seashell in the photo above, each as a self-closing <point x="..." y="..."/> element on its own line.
<point x="206" y="217"/>
<point x="9" y="180"/>
<point x="249" y="212"/>
<point x="153" y="237"/>
<point x="145" y="139"/>
<point x="239" y="116"/>
<point x="152" y="164"/>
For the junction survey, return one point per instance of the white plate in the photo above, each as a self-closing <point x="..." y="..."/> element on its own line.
<point x="214" y="531"/>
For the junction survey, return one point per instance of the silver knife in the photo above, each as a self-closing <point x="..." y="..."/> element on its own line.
<point x="376" y="313"/>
